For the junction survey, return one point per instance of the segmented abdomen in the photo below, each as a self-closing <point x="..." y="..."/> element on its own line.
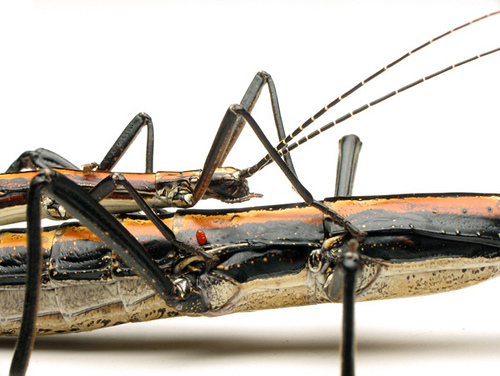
<point x="84" y="285"/>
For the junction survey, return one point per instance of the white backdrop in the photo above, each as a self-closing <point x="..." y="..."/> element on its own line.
<point x="74" y="74"/>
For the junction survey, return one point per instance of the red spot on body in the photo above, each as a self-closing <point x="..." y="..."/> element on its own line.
<point x="201" y="237"/>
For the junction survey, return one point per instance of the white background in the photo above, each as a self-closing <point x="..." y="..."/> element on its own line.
<point x="73" y="75"/>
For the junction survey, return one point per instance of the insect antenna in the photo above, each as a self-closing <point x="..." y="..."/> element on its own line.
<point x="282" y="146"/>
<point x="348" y="115"/>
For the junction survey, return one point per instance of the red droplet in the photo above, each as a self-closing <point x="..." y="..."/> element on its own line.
<point x="201" y="237"/>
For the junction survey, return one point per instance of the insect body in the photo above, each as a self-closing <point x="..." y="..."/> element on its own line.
<point x="265" y="257"/>
<point x="160" y="190"/>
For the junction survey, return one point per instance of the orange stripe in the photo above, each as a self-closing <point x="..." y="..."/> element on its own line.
<point x="488" y="206"/>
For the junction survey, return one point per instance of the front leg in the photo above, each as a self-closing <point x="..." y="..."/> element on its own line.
<point x="231" y="127"/>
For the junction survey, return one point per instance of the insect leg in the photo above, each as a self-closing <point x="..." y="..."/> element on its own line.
<point x="43" y="158"/>
<point x="92" y="215"/>
<point x="38" y="159"/>
<point x="111" y="182"/>
<point x="349" y="148"/>
<point x="299" y="187"/>
<point x="231" y="127"/>
<point x="350" y="265"/>
<point x="125" y="140"/>
<point x="248" y="101"/>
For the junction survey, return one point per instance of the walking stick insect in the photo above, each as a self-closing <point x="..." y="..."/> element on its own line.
<point x="238" y="109"/>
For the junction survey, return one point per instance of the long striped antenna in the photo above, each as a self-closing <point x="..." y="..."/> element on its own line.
<point x="282" y="144"/>
<point x="341" y="119"/>
<point x="289" y="147"/>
